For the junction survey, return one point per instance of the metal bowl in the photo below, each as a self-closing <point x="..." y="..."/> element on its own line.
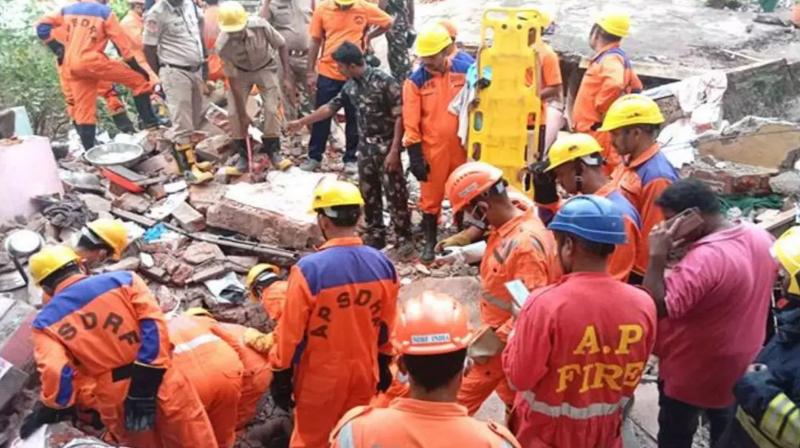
<point x="114" y="154"/>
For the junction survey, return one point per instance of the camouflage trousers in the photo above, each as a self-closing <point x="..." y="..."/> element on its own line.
<point x="399" y="60"/>
<point x="374" y="182"/>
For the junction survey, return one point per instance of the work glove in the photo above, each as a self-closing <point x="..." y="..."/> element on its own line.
<point x="544" y="183"/>
<point x="140" y="404"/>
<point x="258" y="341"/>
<point x="459" y="239"/>
<point x="384" y="372"/>
<point x="281" y="389"/>
<point x="42" y="415"/>
<point x="469" y="254"/>
<point x="134" y="65"/>
<point x="418" y="166"/>
<point x="58" y="49"/>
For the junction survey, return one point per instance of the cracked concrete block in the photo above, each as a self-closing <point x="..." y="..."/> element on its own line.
<point x="135" y="203"/>
<point x="188" y="218"/>
<point x="214" y="149"/>
<point x="205" y="195"/>
<point x="200" y="252"/>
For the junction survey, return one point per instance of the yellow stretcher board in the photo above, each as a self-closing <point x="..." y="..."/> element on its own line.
<point x="498" y="124"/>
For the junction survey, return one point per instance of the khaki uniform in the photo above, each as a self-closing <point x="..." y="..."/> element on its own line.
<point x="291" y="19"/>
<point x="177" y="35"/>
<point x="252" y="61"/>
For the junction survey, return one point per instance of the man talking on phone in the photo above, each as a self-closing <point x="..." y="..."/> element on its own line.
<point x="712" y="308"/>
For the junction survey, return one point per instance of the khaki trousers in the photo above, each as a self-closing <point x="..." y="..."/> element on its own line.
<point x="184" y="90"/>
<point x="266" y="81"/>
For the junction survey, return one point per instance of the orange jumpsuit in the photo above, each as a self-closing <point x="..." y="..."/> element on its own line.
<point x="97" y="327"/>
<point x="133" y="25"/>
<point x="608" y="77"/>
<point x="416" y="423"/>
<point x="339" y="313"/>
<point x="642" y="180"/>
<point x="89" y="27"/>
<point x="104" y="89"/>
<point x="214" y="369"/>
<point x="426" y="97"/>
<point x="521" y="249"/>
<point x="274" y="298"/>
<point x="210" y="33"/>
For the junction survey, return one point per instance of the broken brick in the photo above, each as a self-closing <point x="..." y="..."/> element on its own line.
<point x="182" y="274"/>
<point x="733" y="178"/>
<point x="97" y="204"/>
<point x="159" y="164"/>
<point x="214" y="149"/>
<point x="241" y="264"/>
<point x="132" y="202"/>
<point x="157" y="191"/>
<point x="154" y="273"/>
<point x="188" y="218"/>
<point x="167" y="300"/>
<point x="265" y="225"/>
<point x="205" y="195"/>
<point x="211" y="271"/>
<point x="126" y="264"/>
<point x="200" y="252"/>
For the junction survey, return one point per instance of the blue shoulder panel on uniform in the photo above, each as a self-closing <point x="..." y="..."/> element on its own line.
<point x="43" y="31"/>
<point x="626" y="207"/>
<point x="78" y="295"/>
<point x="617" y="51"/>
<point x="657" y="167"/>
<point x="344" y="265"/>
<point x="150" y="341"/>
<point x="87" y="9"/>
<point x="463" y="56"/>
<point x="461" y="62"/>
<point x="419" y="76"/>
<point x="65" y="386"/>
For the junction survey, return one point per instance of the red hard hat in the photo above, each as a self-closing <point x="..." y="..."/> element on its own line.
<point x="432" y="324"/>
<point x="469" y="181"/>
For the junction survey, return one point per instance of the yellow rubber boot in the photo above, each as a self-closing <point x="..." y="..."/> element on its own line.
<point x="201" y="176"/>
<point x="203" y="166"/>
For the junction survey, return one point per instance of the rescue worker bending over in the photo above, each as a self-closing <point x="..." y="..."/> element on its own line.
<point x="110" y="329"/>
<point x="576" y="162"/>
<point x="133" y="24"/>
<point x="573" y="384"/>
<point x="608" y="77"/>
<point x="339" y="313"/>
<point x="265" y="286"/>
<point x="645" y="172"/>
<point x="519" y="247"/>
<point x="432" y="337"/>
<point x="83" y="53"/>
<point x="101" y="239"/>
<point x="250" y="49"/>
<point x="431" y="131"/>
<point x="767" y="395"/>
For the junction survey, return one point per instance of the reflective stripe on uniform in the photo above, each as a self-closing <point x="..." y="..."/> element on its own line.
<point x="504" y="305"/>
<point x="781" y="421"/>
<point x="748" y="424"/>
<point x="345" y="437"/>
<point x="194" y="343"/>
<point x="574" y="412"/>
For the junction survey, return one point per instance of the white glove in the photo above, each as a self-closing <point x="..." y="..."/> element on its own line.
<point x="469" y="254"/>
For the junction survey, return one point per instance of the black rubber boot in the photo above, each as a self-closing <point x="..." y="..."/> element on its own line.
<point x="242" y="166"/>
<point x="147" y="118"/>
<point x="86" y="132"/>
<point x="123" y="122"/>
<point x="429" y="224"/>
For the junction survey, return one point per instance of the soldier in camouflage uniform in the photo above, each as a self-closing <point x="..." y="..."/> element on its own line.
<point x="377" y="97"/>
<point x="397" y="37"/>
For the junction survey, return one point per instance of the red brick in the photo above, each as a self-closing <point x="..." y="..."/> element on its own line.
<point x="188" y="218"/>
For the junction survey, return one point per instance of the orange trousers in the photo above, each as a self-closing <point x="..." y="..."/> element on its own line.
<point x="481" y="381"/>
<point x="87" y="77"/>
<point x="181" y="420"/>
<point x="254" y="386"/>
<point x="442" y="161"/>
<point x="104" y="89"/>
<point x="610" y="154"/>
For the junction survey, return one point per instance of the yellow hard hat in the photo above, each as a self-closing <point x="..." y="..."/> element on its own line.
<point x="631" y="109"/>
<point x="787" y="251"/>
<point x="432" y="40"/>
<point x="111" y="232"/>
<point x="49" y="260"/>
<point x="545" y="17"/>
<point x="232" y="17"/>
<point x="571" y="147"/>
<point x="335" y="193"/>
<point x="615" y="23"/>
<point x="257" y="270"/>
<point x="345" y="2"/>
<point x="198" y="311"/>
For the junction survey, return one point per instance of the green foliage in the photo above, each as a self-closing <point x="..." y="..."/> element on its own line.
<point x="120" y="7"/>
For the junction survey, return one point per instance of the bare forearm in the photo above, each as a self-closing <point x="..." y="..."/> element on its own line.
<point x="550" y="93"/>
<point x="284" y="55"/>
<point x="313" y="53"/>
<point x="320" y="114"/>
<point x="265" y="12"/>
<point x="376" y="33"/>
<point x="397" y="140"/>
<point x="654" y="283"/>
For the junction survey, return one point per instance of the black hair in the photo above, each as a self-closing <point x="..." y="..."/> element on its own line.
<point x="601" y="250"/>
<point x="344" y="215"/>
<point x="349" y="54"/>
<point x="87" y="243"/>
<point x="498" y="190"/>
<point x="212" y="2"/>
<point x="52" y="281"/>
<point x="434" y="371"/>
<point x="649" y="129"/>
<point x="605" y="36"/>
<point x="687" y="193"/>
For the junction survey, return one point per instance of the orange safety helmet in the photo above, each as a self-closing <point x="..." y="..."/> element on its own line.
<point x="469" y="181"/>
<point x="432" y="324"/>
<point x="451" y="28"/>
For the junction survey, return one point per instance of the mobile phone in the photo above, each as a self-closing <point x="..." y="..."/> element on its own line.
<point x="690" y="219"/>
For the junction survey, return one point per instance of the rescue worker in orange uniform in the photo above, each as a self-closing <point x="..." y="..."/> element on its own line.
<point x="133" y="24"/>
<point x="580" y="346"/>
<point x="116" y="108"/>
<point x="110" y="329"/>
<point x="214" y="369"/>
<point x="210" y="34"/>
<point x="332" y="342"/>
<point x="432" y="336"/>
<point x="518" y="247"/>
<point x="633" y="122"/>
<point x="431" y="131"/>
<point x="609" y="76"/>
<point x="575" y="161"/>
<point x="100" y="240"/>
<point x="92" y="25"/>
<point x="264" y="285"/>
